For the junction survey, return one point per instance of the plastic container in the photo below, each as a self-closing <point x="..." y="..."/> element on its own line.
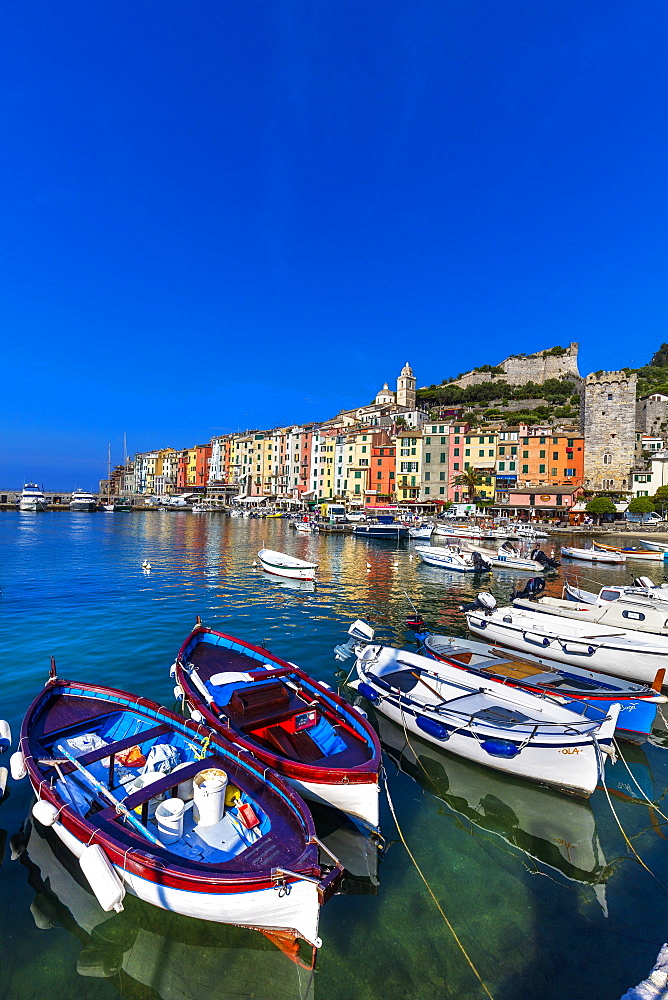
<point x="185" y="788"/>
<point x="169" y="817"/>
<point x="209" y="794"/>
<point x="141" y="781"/>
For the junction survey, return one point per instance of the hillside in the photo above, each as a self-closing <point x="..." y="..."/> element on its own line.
<point x="499" y="402"/>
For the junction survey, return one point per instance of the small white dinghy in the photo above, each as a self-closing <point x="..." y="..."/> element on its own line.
<point x="592" y="555"/>
<point x="281" y="564"/>
<point x="483" y="720"/>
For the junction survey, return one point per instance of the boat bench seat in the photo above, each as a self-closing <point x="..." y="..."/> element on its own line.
<point x="110" y="749"/>
<point x="261" y="700"/>
<point x="296" y="746"/>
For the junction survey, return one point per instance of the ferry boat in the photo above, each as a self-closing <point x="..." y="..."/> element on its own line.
<point x="32" y="498"/>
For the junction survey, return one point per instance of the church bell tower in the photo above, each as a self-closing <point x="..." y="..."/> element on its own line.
<point x="406" y="388"/>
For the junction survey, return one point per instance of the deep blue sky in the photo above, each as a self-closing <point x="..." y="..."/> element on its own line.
<point x="236" y="213"/>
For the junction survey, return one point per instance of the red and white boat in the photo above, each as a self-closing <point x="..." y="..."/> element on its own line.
<point x="299" y="727"/>
<point x="163" y="808"/>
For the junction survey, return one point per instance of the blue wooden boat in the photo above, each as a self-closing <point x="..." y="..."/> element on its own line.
<point x="164" y="808"/>
<point x="572" y="685"/>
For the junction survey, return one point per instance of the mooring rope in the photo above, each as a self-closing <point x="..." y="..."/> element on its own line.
<point x="612" y="810"/>
<point x="431" y="892"/>
<point x="635" y="782"/>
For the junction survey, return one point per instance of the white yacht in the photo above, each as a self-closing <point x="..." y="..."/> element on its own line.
<point x="82" y="500"/>
<point x="32" y="498"/>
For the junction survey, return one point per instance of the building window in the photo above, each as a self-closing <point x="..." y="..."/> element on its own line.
<point x="511" y="466"/>
<point x="443" y="457"/>
<point x="502" y="450"/>
<point x="456" y="466"/>
<point x="427" y="440"/>
<point x="525" y="469"/>
<point x="427" y="456"/>
<point x="442" y="476"/>
<point x="525" y="454"/>
<point x="502" y="466"/>
<point x="541" y="469"/>
<point x="467" y="451"/>
<point x="358" y="475"/>
<point x="555" y="456"/>
<point x="455" y="451"/>
<point x="441" y="490"/>
<point x="541" y="454"/>
<point x="427" y="490"/>
<point x="607" y="459"/>
<point x="481" y="453"/>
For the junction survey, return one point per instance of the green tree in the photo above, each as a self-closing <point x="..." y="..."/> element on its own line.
<point x="469" y="480"/>
<point x="641" y="505"/>
<point x="600" y="506"/>
<point x="660" y="359"/>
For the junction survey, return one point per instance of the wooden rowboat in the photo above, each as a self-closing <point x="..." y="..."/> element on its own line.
<point x="101" y="762"/>
<point x="318" y="742"/>
<point x="281" y="564"/>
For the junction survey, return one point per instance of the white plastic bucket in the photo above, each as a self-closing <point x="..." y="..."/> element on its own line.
<point x="141" y="781"/>
<point x="209" y="794"/>
<point x="169" y="817"/>
<point x="185" y="788"/>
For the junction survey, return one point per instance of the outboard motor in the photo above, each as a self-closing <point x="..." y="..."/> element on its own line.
<point x="539" y="556"/>
<point x="415" y="624"/>
<point x="481" y="565"/>
<point x="534" y="588"/>
<point x="483" y="602"/>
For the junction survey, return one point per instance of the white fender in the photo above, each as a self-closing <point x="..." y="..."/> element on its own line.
<point x="178" y="693"/>
<point x="4" y="775"/>
<point x="45" y="812"/>
<point x="196" y="716"/>
<point x="102" y="878"/>
<point x="17" y="766"/>
<point x="172" y="671"/>
<point x="5" y="736"/>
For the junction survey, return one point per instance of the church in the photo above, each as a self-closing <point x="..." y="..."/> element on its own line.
<point x="387" y="406"/>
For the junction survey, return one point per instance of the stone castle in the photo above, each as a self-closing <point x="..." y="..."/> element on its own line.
<point x="608" y="410"/>
<point x="519" y="369"/>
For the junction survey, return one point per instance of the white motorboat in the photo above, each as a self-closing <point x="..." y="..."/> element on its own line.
<point x="621" y="652"/>
<point x="631" y="612"/>
<point x="422" y="531"/>
<point x="642" y="587"/>
<point x="529" y="533"/>
<point x="509" y="556"/>
<point x="453" y="557"/>
<point x="305" y="527"/>
<point x="592" y="555"/>
<point x="281" y="564"/>
<point x="32" y="498"/>
<point x="83" y="500"/>
<point x="458" y="530"/>
<point x="487" y="722"/>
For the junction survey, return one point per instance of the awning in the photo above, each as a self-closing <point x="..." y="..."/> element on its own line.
<point x="249" y="499"/>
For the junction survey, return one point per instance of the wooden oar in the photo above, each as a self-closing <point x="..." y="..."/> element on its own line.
<point x="139" y="826"/>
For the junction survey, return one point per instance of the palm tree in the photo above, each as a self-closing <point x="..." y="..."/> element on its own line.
<point x="470" y="480"/>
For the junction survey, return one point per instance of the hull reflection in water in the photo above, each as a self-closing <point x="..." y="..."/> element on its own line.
<point x="177" y="957"/>
<point x="556" y="831"/>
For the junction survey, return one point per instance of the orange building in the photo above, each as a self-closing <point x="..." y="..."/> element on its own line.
<point x="381" y="481"/>
<point x="547" y="457"/>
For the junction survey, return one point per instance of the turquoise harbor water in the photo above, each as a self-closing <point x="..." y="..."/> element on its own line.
<point x="541" y="889"/>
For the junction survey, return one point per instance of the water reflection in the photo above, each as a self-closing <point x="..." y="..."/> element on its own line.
<point x="177" y="958"/>
<point x="556" y="831"/>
